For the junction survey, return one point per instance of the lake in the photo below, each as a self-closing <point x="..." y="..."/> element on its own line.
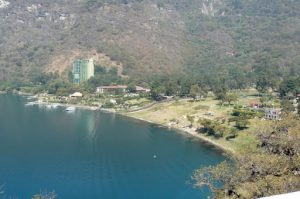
<point x="89" y="154"/>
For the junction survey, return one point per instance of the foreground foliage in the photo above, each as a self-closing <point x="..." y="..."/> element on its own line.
<point x="273" y="169"/>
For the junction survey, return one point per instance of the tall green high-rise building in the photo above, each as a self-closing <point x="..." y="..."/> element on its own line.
<point x="83" y="69"/>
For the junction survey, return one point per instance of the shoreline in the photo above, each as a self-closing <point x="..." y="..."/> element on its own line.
<point x="187" y="132"/>
<point x="79" y="106"/>
<point x="93" y="108"/>
<point x="190" y="132"/>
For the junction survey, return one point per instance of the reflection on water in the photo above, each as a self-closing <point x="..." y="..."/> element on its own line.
<point x="90" y="121"/>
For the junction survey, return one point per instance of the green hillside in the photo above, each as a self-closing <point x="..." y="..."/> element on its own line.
<point x="201" y="37"/>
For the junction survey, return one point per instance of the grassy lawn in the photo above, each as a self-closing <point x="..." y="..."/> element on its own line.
<point x="245" y="142"/>
<point x="164" y="113"/>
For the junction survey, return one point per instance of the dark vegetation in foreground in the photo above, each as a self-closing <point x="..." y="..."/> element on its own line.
<point x="273" y="169"/>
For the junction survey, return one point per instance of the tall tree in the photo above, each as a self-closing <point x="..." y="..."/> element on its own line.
<point x="220" y="93"/>
<point x="287" y="106"/>
<point x="263" y="83"/>
<point x="231" y="97"/>
<point x="131" y="88"/>
<point x="195" y="91"/>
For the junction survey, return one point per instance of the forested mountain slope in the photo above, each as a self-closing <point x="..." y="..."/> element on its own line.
<point x="151" y="36"/>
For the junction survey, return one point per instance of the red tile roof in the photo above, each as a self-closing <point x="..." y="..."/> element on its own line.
<point x="113" y="87"/>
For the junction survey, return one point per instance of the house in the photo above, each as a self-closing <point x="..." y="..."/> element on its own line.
<point x="119" y="89"/>
<point x="112" y="89"/>
<point x="76" y="95"/>
<point x="83" y="69"/>
<point x="255" y="104"/>
<point x="272" y="114"/>
<point x="140" y="89"/>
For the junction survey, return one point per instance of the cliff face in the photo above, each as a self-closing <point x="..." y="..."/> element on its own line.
<point x="144" y="36"/>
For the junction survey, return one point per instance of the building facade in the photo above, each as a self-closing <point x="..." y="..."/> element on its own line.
<point x="272" y="114"/>
<point x="83" y="69"/>
<point x="118" y="89"/>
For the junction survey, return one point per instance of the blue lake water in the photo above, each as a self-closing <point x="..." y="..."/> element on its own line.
<point x="89" y="154"/>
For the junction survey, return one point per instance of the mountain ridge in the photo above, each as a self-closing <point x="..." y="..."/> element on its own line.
<point x="150" y="36"/>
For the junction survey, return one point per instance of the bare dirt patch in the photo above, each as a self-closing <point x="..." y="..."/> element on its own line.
<point x="63" y="62"/>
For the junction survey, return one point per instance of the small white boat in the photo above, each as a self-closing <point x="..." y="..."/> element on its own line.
<point x="94" y="108"/>
<point x="30" y="104"/>
<point x="48" y="106"/>
<point x="32" y="97"/>
<point x="54" y="105"/>
<point x="51" y="106"/>
<point x="70" y="108"/>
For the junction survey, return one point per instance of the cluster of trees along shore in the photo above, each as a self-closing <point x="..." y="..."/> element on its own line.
<point x="217" y="129"/>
